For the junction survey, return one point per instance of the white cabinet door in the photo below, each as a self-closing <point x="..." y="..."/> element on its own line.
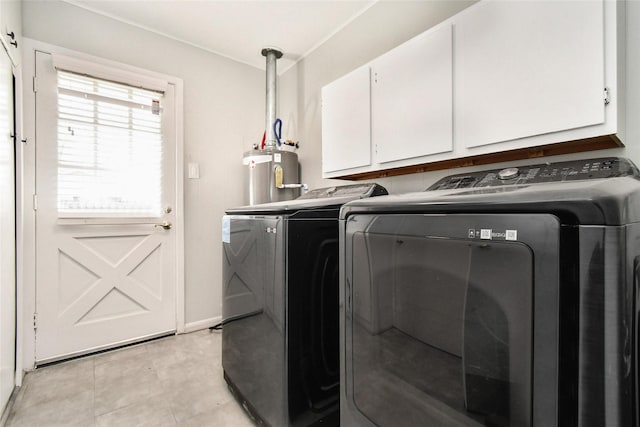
<point x="526" y="68"/>
<point x="346" y="122"/>
<point x="412" y="98"/>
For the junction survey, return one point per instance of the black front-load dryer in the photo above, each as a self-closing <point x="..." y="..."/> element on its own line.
<point x="280" y="306"/>
<point x="496" y="298"/>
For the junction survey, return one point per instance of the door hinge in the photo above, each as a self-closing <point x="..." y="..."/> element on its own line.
<point x="35" y="84"/>
<point x="35" y="202"/>
<point x="607" y="97"/>
<point x="35" y="321"/>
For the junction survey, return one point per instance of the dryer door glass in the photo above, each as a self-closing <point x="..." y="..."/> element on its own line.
<point x="440" y="325"/>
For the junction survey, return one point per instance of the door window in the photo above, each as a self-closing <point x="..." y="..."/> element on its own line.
<point x="109" y="148"/>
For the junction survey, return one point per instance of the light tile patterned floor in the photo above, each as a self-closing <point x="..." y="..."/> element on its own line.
<point x="174" y="381"/>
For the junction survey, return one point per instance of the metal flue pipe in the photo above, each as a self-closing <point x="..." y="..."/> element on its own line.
<point x="272" y="54"/>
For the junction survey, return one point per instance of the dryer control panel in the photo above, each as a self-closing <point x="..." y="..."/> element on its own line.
<point x="353" y="190"/>
<point x="606" y="167"/>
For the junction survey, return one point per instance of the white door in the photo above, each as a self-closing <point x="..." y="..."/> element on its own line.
<point x="103" y="279"/>
<point x="7" y="235"/>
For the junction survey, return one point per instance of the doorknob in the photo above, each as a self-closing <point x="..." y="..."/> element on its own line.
<point x="166" y="225"/>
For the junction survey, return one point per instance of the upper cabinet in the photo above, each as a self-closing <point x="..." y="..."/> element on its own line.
<point x="11" y="27"/>
<point x="528" y="68"/>
<point x="346" y="122"/>
<point x="412" y="99"/>
<point x="500" y="80"/>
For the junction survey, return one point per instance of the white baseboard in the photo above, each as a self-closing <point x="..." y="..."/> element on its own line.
<point x="202" y="324"/>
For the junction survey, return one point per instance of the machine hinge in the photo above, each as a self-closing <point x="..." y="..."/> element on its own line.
<point x="35" y="202"/>
<point x="35" y="84"/>
<point x="607" y="97"/>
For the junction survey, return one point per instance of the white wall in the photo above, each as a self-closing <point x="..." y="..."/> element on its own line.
<point x="223" y="117"/>
<point x="632" y="138"/>
<point x="382" y="27"/>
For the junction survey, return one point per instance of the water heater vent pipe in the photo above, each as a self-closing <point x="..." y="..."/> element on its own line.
<point x="272" y="54"/>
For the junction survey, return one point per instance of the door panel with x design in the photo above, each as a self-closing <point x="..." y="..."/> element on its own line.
<point x="114" y="287"/>
<point x="109" y="288"/>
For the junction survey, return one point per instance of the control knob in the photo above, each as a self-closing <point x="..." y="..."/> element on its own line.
<point x="508" y="173"/>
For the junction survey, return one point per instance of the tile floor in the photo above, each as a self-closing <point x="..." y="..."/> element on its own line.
<point x="173" y="381"/>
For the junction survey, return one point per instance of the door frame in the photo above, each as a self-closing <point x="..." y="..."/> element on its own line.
<point x="27" y="256"/>
<point x="17" y="119"/>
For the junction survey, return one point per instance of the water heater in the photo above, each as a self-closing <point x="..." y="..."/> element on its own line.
<point x="271" y="175"/>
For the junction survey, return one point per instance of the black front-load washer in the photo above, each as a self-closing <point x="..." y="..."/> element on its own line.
<point x="498" y="298"/>
<point x="280" y="306"/>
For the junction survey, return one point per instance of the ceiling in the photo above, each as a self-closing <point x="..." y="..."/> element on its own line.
<point x="238" y="29"/>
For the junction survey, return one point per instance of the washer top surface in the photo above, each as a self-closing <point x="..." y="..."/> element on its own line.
<point x="321" y="198"/>
<point x="602" y="191"/>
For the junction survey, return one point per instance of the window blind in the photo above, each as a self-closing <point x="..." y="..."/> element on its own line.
<point x="109" y="148"/>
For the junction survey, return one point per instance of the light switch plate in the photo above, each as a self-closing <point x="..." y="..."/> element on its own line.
<point x="193" y="170"/>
